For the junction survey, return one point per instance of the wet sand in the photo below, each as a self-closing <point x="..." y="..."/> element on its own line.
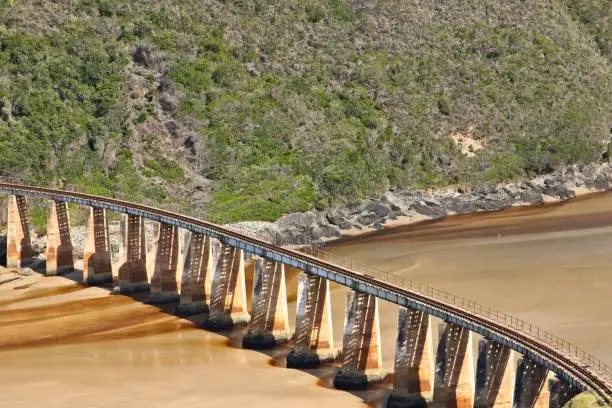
<point x="68" y="346"/>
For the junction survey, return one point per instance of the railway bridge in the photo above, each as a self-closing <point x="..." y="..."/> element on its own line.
<point x="201" y="265"/>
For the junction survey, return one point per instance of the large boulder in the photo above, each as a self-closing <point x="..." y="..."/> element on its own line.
<point x="429" y="207"/>
<point x="337" y="216"/>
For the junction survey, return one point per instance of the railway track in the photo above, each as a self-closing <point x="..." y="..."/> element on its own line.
<point x="576" y="368"/>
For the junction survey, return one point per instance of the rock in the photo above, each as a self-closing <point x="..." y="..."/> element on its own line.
<point x="376" y="207"/>
<point x="531" y="196"/>
<point x="462" y="204"/>
<point x="336" y="217"/>
<point x="367" y="219"/>
<point x="377" y="225"/>
<point x="558" y="191"/>
<point x="263" y="230"/>
<point x="430" y="208"/>
<point x="601" y="183"/>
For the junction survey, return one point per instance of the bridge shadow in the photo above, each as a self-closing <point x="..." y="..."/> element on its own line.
<point x="376" y="395"/>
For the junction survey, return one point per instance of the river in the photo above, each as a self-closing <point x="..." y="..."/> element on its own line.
<point x="67" y="346"/>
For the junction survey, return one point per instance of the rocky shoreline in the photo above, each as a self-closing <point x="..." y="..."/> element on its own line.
<point x="405" y="207"/>
<point x="394" y="208"/>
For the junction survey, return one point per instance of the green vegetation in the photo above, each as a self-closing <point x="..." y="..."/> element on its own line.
<point x="251" y="109"/>
<point x="586" y="400"/>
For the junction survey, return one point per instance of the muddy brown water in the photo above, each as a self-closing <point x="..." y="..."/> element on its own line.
<point x="66" y="346"/>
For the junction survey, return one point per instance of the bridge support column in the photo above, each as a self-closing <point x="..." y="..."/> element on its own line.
<point x="200" y="264"/>
<point x="314" y="339"/>
<point x="495" y="375"/>
<point x="18" y="240"/>
<point x="531" y="390"/>
<point x="59" y="245"/>
<point x="361" y="354"/>
<point x="164" y="288"/>
<point x="414" y="360"/>
<point x="561" y="392"/>
<point x="270" y="323"/>
<point x="133" y="271"/>
<point x="228" y="306"/>
<point x="97" y="255"/>
<point x="454" y="381"/>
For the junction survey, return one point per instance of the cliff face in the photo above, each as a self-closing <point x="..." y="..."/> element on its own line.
<point x="253" y="109"/>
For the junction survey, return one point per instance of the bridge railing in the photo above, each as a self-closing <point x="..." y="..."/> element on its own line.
<point x="507" y="320"/>
<point x="500" y="317"/>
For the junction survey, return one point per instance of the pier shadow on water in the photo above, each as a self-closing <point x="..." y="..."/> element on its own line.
<point x="375" y="396"/>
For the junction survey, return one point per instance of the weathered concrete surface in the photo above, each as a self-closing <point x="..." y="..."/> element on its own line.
<point x="59" y="252"/>
<point x="97" y="266"/>
<point x="314" y="340"/>
<point x="414" y="358"/>
<point x="454" y="381"/>
<point x="531" y="390"/>
<point x="18" y="240"/>
<point x="228" y="305"/>
<point x="270" y="323"/>
<point x="495" y="375"/>
<point x="361" y="348"/>
<point x="133" y="268"/>
<point x="199" y="267"/>
<point x="164" y="288"/>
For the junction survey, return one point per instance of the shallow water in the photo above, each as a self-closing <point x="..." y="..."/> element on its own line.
<point x="67" y="346"/>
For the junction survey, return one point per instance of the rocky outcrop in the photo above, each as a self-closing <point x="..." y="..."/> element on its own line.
<point x="320" y="226"/>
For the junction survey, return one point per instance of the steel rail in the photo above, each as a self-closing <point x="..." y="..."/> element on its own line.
<point x="569" y="366"/>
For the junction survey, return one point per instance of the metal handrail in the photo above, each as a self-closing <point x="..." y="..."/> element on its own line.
<point x="507" y="320"/>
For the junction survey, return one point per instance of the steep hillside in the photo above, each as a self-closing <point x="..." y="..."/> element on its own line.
<point x="251" y="108"/>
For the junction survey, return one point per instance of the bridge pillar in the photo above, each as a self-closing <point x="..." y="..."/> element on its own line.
<point x="414" y="360"/>
<point x="270" y="323"/>
<point x="530" y="390"/>
<point x="314" y="339"/>
<point x="361" y="354"/>
<point x="133" y="270"/>
<point x="59" y="245"/>
<point x="228" y="305"/>
<point x="454" y="381"/>
<point x="199" y="267"/>
<point x="18" y="240"/>
<point x="561" y="392"/>
<point x="495" y="375"/>
<point x="164" y="288"/>
<point x="97" y="255"/>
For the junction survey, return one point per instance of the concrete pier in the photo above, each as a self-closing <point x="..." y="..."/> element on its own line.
<point x="18" y="240"/>
<point x="531" y="390"/>
<point x="97" y="267"/>
<point x="314" y="340"/>
<point x="414" y="360"/>
<point x="59" y="252"/>
<point x="164" y="288"/>
<point x="133" y="269"/>
<point x="454" y="380"/>
<point x="561" y="392"/>
<point x="228" y="306"/>
<point x="270" y="323"/>
<point x="495" y="375"/>
<point x="199" y="267"/>
<point x="361" y="354"/>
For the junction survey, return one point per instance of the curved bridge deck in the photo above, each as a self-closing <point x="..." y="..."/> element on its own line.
<point x="567" y="361"/>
